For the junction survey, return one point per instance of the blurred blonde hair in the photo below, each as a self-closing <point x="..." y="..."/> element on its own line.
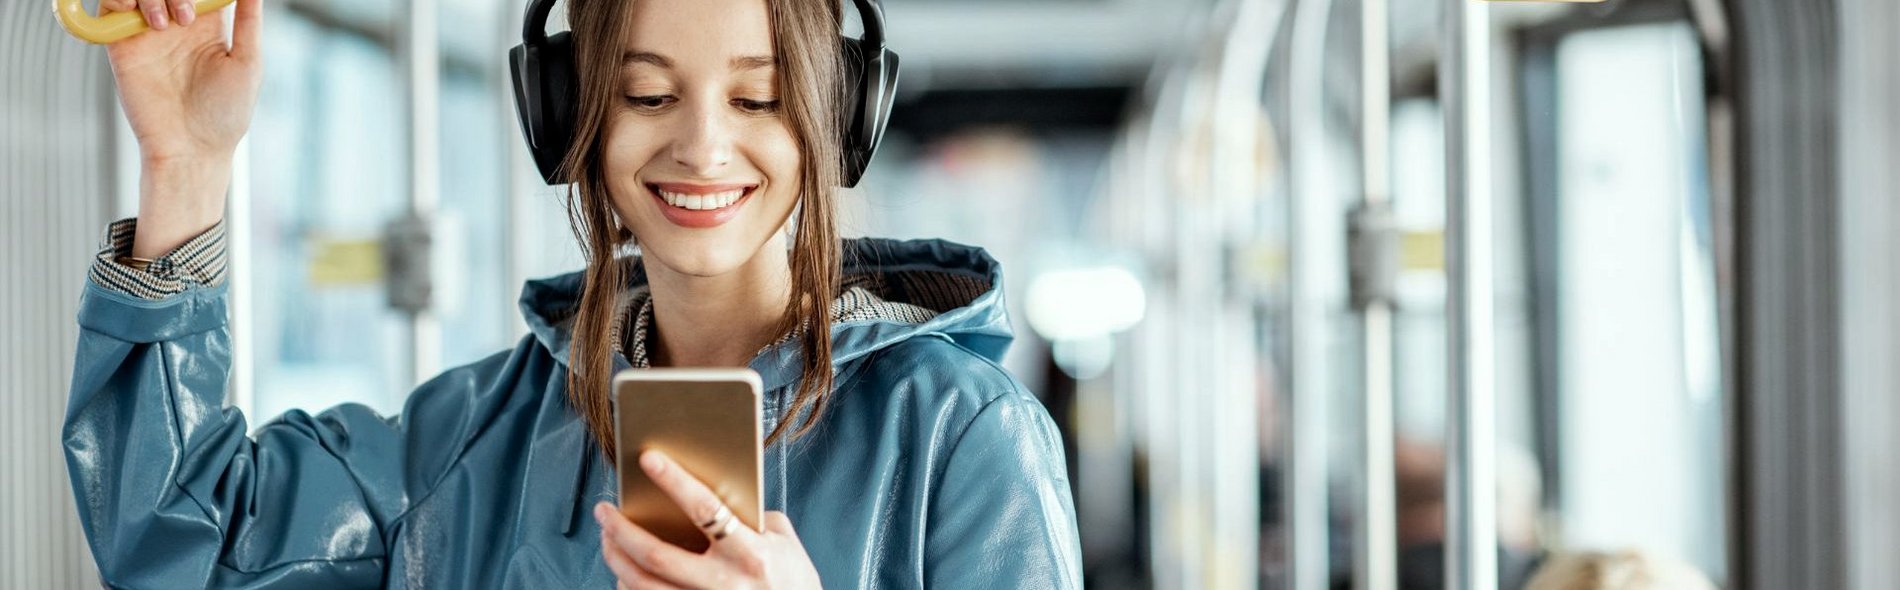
<point x="1622" y="570"/>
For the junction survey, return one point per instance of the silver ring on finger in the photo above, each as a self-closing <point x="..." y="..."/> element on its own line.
<point x="726" y="530"/>
<point x="719" y="523"/>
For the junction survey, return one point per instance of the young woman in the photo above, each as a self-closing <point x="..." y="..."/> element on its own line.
<point x="900" y="455"/>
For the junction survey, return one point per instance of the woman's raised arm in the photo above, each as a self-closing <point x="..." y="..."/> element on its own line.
<point x="189" y="100"/>
<point x="172" y="491"/>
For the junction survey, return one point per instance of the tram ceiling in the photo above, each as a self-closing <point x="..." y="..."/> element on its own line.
<point x="1415" y="35"/>
<point x="956" y="44"/>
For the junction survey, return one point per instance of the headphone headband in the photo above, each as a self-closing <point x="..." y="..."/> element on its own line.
<point x="534" y="27"/>
<point x="872" y="14"/>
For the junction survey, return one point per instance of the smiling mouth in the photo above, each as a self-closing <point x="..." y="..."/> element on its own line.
<point x="701" y="206"/>
<point x="700" y="200"/>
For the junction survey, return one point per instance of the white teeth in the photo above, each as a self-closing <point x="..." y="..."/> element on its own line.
<point x="702" y="202"/>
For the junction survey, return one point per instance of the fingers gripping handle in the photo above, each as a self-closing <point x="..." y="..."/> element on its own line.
<point x="115" y="26"/>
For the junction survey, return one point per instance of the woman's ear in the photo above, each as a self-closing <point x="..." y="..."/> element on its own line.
<point x="622" y="235"/>
<point x="790" y="228"/>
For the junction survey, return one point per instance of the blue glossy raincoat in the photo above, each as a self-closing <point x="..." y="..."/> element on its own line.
<point x="932" y="467"/>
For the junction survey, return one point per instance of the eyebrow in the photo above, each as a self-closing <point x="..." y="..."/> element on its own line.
<point x="750" y="62"/>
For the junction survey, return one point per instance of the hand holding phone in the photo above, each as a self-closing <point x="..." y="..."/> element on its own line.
<point x="707" y="422"/>
<point x="773" y="557"/>
<point x="690" y="511"/>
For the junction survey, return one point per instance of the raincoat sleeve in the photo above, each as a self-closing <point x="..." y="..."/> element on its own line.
<point x="1003" y="516"/>
<point x="171" y="491"/>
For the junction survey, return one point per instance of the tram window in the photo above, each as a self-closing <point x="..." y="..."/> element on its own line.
<point x="329" y="170"/>
<point x="1637" y="401"/>
<point x="322" y="333"/>
<point x="476" y="296"/>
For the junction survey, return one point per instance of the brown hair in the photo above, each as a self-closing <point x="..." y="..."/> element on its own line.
<point x="806" y="45"/>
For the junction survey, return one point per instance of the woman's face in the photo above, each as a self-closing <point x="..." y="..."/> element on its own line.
<point x="700" y="164"/>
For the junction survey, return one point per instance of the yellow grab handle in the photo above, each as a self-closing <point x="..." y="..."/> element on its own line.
<point x="113" y="27"/>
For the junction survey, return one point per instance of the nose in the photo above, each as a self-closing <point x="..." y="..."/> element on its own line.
<point x="704" y="144"/>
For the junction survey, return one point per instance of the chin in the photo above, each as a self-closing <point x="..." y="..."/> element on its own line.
<point x="719" y="250"/>
<point x="691" y="260"/>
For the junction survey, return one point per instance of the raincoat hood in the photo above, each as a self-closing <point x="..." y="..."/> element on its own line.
<point x="962" y="285"/>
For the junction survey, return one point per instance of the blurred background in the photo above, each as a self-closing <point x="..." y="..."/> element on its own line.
<point x="1322" y="293"/>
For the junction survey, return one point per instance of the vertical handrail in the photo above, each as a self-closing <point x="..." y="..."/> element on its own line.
<point x="1312" y="381"/>
<point x="1240" y="82"/>
<point x="1165" y="475"/>
<point x="422" y="58"/>
<point x="1470" y="478"/>
<point x="1376" y="564"/>
<point x="241" y="249"/>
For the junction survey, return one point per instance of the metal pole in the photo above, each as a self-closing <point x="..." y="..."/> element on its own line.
<point x="1167" y="472"/>
<point x="1313" y="212"/>
<point x="1238" y="89"/>
<point x="1471" y="488"/>
<point x="1376" y="566"/>
<point x="421" y="54"/>
<point x="241" y="252"/>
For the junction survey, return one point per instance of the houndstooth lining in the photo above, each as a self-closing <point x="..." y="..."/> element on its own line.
<point x="200" y="262"/>
<point x="857" y="301"/>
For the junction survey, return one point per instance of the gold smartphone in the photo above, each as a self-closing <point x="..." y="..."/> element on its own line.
<point x="707" y="420"/>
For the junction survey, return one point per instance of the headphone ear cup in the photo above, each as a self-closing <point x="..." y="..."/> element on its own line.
<point x="546" y="98"/>
<point x="885" y="99"/>
<point x="853" y="145"/>
<point x="870" y="84"/>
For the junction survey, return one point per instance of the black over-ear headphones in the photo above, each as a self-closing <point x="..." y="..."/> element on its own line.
<point x="547" y="90"/>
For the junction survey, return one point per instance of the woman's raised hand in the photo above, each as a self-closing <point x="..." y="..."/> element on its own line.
<point x="189" y="100"/>
<point x="744" y="558"/>
<point x="184" y="93"/>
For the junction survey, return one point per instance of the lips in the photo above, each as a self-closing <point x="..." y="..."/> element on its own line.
<point x="719" y="200"/>
<point x="700" y="206"/>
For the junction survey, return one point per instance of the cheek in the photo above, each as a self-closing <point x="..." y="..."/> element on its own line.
<point x="625" y="150"/>
<point x="776" y="154"/>
<point x="622" y="151"/>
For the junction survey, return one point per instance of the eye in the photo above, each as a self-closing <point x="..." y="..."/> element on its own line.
<point x="651" y="103"/>
<point x="759" y="107"/>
